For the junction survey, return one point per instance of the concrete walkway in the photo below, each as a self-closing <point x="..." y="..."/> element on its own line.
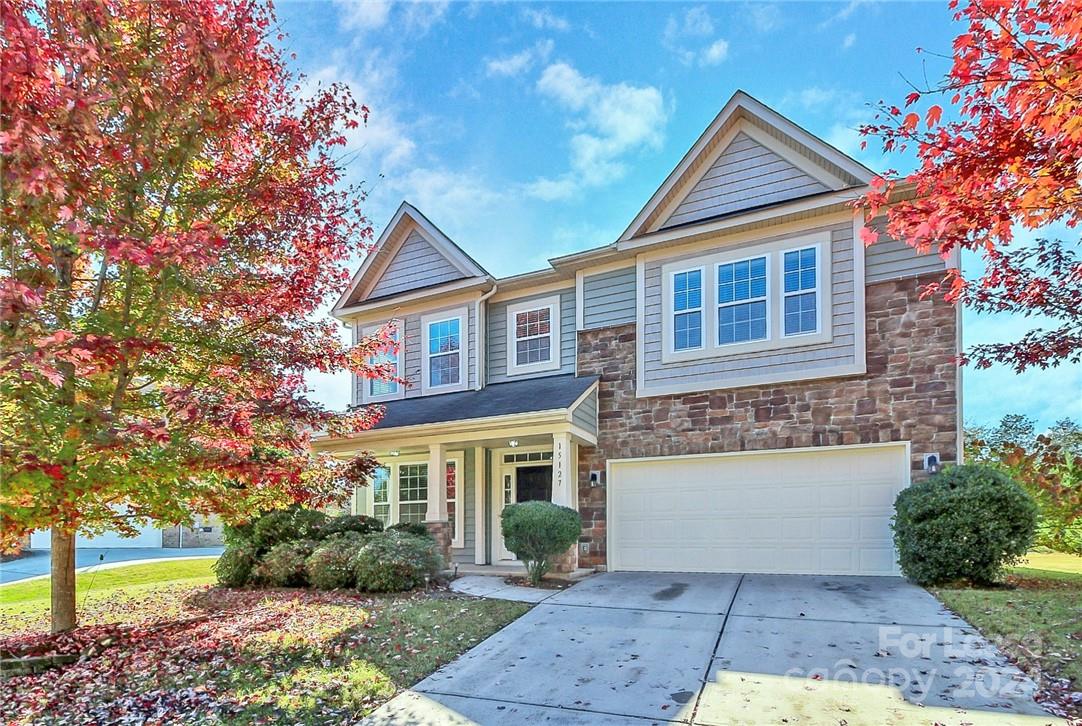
<point x="497" y="589"/>
<point x="36" y="564"/>
<point x="635" y="648"/>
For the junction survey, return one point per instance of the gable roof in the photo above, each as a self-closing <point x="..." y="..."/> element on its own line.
<point x="408" y="225"/>
<point x="818" y="160"/>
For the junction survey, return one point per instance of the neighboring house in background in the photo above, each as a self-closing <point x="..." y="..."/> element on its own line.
<point x="735" y="384"/>
<point x="207" y="532"/>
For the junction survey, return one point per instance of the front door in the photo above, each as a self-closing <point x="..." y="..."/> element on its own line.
<point x="521" y="484"/>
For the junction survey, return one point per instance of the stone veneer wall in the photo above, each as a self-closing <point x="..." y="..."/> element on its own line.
<point x="908" y="393"/>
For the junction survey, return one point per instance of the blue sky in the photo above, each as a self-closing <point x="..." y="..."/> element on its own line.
<point x="529" y="130"/>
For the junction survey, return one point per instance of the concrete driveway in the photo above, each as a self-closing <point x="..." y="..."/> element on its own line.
<point x="36" y="563"/>
<point x="631" y="648"/>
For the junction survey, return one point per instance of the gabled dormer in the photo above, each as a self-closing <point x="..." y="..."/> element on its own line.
<point x="749" y="158"/>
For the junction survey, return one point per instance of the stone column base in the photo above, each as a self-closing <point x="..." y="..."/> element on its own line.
<point x="568" y="561"/>
<point x="441" y="532"/>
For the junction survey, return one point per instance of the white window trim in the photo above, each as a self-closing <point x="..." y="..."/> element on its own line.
<point x="669" y="324"/>
<point x="366" y="502"/>
<point x="718" y="305"/>
<point x="553" y="363"/>
<point x="400" y="392"/>
<point x="819" y="285"/>
<point x="463" y="350"/>
<point x="775" y="340"/>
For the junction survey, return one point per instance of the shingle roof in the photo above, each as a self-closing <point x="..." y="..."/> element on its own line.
<point x="498" y="399"/>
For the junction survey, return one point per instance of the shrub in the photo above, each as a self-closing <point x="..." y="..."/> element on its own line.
<point x="538" y="532"/>
<point x="286" y="525"/>
<point x="415" y="528"/>
<point x="965" y="523"/>
<point x="359" y="523"/>
<point x="237" y="534"/>
<point x="330" y="566"/>
<point x="234" y="567"/>
<point x="393" y="561"/>
<point x="284" y="565"/>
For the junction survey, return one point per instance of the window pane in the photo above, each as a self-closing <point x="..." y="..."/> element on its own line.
<point x="380" y="478"/>
<point x="741" y="323"/>
<point x="687" y="290"/>
<point x="412" y="513"/>
<point x="687" y="331"/>
<point x="379" y="386"/>
<point x="742" y="280"/>
<point x="800" y="270"/>
<point x="533" y="350"/>
<point x="382" y="512"/>
<point x="452" y="488"/>
<point x="443" y="370"/>
<point x="800" y="314"/>
<point x="443" y="336"/>
<point x="413" y="483"/>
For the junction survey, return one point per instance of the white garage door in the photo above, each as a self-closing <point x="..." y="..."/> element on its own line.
<point x="147" y="537"/>
<point x="825" y="510"/>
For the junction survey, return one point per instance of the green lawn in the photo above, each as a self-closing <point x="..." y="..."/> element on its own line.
<point x="237" y="656"/>
<point x="1036" y="619"/>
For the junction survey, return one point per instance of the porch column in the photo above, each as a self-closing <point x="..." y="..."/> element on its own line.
<point x="436" y="515"/>
<point x="563" y="470"/>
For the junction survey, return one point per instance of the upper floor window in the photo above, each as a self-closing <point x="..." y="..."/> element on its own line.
<point x="533" y="334"/>
<point x="687" y="292"/>
<point x="381" y="389"/>
<point x="801" y="291"/>
<point x="742" y="301"/>
<point x="445" y="350"/>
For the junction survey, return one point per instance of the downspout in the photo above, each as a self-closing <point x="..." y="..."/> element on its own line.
<point x="482" y="337"/>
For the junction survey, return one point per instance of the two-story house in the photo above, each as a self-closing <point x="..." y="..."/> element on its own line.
<point x="735" y="384"/>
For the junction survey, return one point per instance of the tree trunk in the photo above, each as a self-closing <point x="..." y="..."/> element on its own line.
<point x="63" y="580"/>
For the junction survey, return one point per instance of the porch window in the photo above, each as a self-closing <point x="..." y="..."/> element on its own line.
<point x="801" y="291"/>
<point x="533" y="334"/>
<point x="381" y="495"/>
<point x="452" y="503"/>
<point x="412" y="492"/>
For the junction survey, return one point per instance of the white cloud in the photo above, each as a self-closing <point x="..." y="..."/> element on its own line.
<point x="715" y="53"/>
<point x="685" y="35"/>
<point x="763" y="17"/>
<point x="844" y="14"/>
<point x="363" y="14"/>
<point x="421" y="15"/>
<point x="544" y="19"/>
<point x="608" y="121"/>
<point x="848" y="41"/>
<point x="518" y="63"/>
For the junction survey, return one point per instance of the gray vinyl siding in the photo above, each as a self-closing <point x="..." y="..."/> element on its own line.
<point x="714" y="372"/>
<point x="585" y="414"/>
<point x="608" y="298"/>
<point x="745" y="175"/>
<point x="889" y="259"/>
<point x="416" y="264"/>
<point x="468" y="498"/>
<point x="412" y="356"/>
<point x="497" y="337"/>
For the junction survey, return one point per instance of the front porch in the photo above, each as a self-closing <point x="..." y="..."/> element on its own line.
<point x="487" y="462"/>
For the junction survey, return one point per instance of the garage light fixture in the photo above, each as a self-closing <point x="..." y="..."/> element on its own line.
<point x="513" y="443"/>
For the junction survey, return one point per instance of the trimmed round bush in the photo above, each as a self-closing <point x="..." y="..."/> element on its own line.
<point x="359" y="523"/>
<point x="539" y="532"/>
<point x="964" y="523"/>
<point x="330" y="566"/>
<point x="238" y="534"/>
<point x="285" y="565"/>
<point x="395" y="561"/>
<point x="286" y="525"/>
<point x="415" y="528"/>
<point x="234" y="567"/>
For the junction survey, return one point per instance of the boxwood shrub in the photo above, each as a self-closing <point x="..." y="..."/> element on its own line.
<point x="330" y="566"/>
<point x="359" y="523"/>
<point x="539" y="532"/>
<point x="285" y="565"/>
<point x="414" y="528"/>
<point x="234" y="567"/>
<point x="394" y="561"/>
<point x="286" y="525"/>
<point x="964" y="523"/>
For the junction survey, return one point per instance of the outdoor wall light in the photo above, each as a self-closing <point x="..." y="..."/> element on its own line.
<point x="513" y="443"/>
<point x="392" y="452"/>
<point x="931" y="463"/>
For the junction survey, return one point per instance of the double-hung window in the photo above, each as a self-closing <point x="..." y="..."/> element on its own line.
<point x="742" y="301"/>
<point x="412" y="492"/>
<point x="533" y="334"/>
<point x="381" y="494"/>
<point x="687" y="292"/>
<point x="444" y="345"/>
<point x="381" y="389"/>
<point x="799" y="269"/>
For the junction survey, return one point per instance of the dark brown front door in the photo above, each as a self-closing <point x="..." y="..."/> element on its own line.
<point x="534" y="483"/>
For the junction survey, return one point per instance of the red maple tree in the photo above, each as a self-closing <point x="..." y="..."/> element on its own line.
<point x="1006" y="161"/>
<point x="174" y="216"/>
